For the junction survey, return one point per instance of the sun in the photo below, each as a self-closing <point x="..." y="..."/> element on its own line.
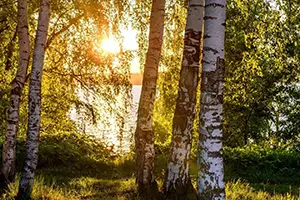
<point x="110" y="45"/>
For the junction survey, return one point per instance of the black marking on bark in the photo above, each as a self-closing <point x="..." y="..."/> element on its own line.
<point x="211" y="193"/>
<point x="191" y="46"/>
<point x="207" y="36"/>
<point x="209" y="17"/>
<point x="204" y="61"/>
<point x="209" y="136"/>
<point x="215" y="113"/>
<point x="14" y="122"/>
<point x="215" y="126"/>
<point x="214" y="5"/>
<point x="215" y="154"/>
<point x="213" y="79"/>
<point x="220" y="99"/>
<point x="16" y="91"/>
<point x="211" y="49"/>
<point x="221" y="65"/>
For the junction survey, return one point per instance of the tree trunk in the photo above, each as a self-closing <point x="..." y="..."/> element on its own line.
<point x="177" y="181"/>
<point x="34" y="109"/>
<point x="144" y="136"/>
<point x="9" y="146"/>
<point x="210" y="158"/>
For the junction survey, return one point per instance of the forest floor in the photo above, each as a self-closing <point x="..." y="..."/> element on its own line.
<point x="75" y="167"/>
<point x="109" y="182"/>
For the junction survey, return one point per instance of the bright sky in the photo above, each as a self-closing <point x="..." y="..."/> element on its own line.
<point x="110" y="45"/>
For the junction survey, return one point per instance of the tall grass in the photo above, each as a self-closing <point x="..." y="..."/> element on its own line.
<point x="242" y="191"/>
<point x="41" y="191"/>
<point x="124" y="189"/>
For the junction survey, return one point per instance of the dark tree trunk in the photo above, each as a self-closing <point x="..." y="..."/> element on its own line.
<point x="144" y="136"/>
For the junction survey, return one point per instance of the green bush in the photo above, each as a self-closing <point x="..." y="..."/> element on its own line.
<point x="71" y="150"/>
<point x="262" y="165"/>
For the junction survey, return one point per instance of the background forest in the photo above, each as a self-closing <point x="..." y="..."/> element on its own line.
<point x="90" y="102"/>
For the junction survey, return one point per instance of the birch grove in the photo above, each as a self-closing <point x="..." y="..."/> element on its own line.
<point x="144" y="136"/>
<point x="34" y="109"/>
<point x="210" y="159"/>
<point x="9" y="146"/>
<point x="177" y="181"/>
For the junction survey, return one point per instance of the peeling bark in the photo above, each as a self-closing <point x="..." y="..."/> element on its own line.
<point x="177" y="181"/>
<point x="210" y="159"/>
<point x="9" y="146"/>
<point x="144" y="136"/>
<point x="34" y="109"/>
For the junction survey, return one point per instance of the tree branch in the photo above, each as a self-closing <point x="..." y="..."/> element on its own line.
<point x="54" y="35"/>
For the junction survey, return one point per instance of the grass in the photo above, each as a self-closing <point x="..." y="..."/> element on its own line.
<point x="74" y="167"/>
<point x="124" y="189"/>
<point x="243" y="191"/>
<point x="115" y="181"/>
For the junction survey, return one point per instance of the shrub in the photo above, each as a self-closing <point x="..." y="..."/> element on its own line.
<point x="262" y="165"/>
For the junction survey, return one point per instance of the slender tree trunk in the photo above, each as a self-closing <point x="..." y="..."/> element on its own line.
<point x="34" y="109"/>
<point x="177" y="181"/>
<point x="9" y="146"/>
<point x="144" y="136"/>
<point x="210" y="160"/>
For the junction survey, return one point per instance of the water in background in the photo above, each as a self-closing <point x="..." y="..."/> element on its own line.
<point x="107" y="126"/>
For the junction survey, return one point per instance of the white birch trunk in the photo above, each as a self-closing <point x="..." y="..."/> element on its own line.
<point x="9" y="146"/>
<point x="210" y="158"/>
<point x="34" y="109"/>
<point x="177" y="182"/>
<point x="144" y="136"/>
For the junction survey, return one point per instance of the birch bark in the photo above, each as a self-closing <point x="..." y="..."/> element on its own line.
<point x="177" y="181"/>
<point x="9" y="146"/>
<point x="144" y="136"/>
<point x="210" y="158"/>
<point x="34" y="109"/>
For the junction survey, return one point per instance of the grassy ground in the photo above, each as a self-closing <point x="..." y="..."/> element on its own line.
<point x="75" y="167"/>
<point x="116" y="181"/>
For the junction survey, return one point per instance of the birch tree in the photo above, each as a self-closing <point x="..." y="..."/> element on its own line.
<point x="34" y="109"/>
<point x="9" y="146"/>
<point x="144" y="136"/>
<point x="210" y="160"/>
<point x="177" y="181"/>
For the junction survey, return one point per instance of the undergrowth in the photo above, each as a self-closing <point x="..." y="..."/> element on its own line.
<point x="124" y="189"/>
<point x="74" y="166"/>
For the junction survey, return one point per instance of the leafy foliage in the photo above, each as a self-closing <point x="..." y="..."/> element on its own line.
<point x="258" y="165"/>
<point x="75" y="150"/>
<point x="259" y="67"/>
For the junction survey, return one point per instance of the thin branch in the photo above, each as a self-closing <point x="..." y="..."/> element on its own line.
<point x="72" y="22"/>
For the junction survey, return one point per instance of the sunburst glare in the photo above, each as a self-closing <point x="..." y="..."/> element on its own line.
<point x="110" y="45"/>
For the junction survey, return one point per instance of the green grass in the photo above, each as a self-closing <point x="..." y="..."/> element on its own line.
<point x="72" y="166"/>
<point x="116" y="181"/>
<point x="78" y="188"/>
<point x="243" y="191"/>
<point x="123" y="189"/>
